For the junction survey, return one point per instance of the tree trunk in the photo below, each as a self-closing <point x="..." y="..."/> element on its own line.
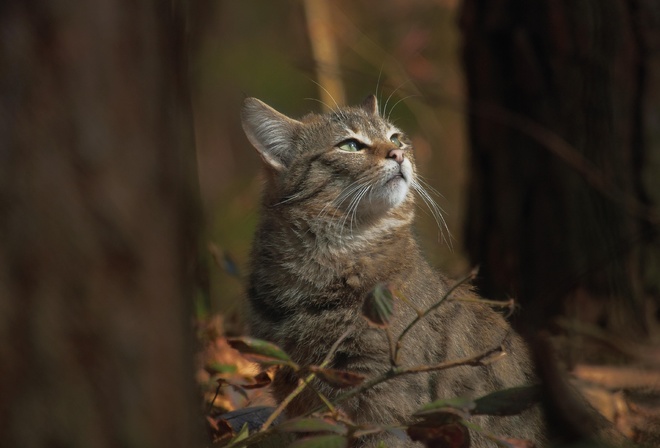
<point x="97" y="220"/>
<point x="559" y="213"/>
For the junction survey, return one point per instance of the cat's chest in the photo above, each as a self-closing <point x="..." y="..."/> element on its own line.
<point x="330" y="281"/>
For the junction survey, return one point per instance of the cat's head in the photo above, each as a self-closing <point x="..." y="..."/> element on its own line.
<point x="348" y="162"/>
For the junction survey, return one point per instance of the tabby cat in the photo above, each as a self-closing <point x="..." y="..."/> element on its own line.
<point x="336" y="219"/>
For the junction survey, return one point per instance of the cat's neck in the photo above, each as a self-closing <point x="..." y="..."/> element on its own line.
<point x="320" y="251"/>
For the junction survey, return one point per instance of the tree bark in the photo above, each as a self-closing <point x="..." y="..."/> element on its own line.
<point x="97" y="219"/>
<point x="558" y="211"/>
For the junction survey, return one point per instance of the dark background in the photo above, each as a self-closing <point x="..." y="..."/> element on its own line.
<point x="128" y="192"/>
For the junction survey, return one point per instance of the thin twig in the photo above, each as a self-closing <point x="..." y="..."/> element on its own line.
<point x="217" y="391"/>
<point x="287" y="400"/>
<point x="326" y="401"/>
<point x="394" y="372"/>
<point x="303" y="383"/>
<point x="471" y="361"/>
<point x="392" y="346"/>
<point x="335" y="346"/>
<point x="470" y="276"/>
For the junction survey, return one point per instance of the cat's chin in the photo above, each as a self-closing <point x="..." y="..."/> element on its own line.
<point x="399" y="188"/>
<point x="390" y="195"/>
<point x="396" y="188"/>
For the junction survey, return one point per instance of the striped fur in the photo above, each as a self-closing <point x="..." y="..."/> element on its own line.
<point x="335" y="223"/>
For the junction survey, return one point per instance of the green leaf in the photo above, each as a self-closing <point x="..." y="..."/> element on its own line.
<point x="312" y="425"/>
<point x="508" y="401"/>
<point x="378" y="306"/>
<point x="327" y="441"/>
<point x="337" y="378"/>
<point x="242" y="435"/>
<point x="216" y="367"/>
<point x="261" y="351"/>
<point x="463" y="405"/>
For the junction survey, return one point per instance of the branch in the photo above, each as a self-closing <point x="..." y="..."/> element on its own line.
<point x="480" y="359"/>
<point x="475" y="361"/>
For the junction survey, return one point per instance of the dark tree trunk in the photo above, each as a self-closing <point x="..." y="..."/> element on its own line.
<point x="97" y="220"/>
<point x="559" y="212"/>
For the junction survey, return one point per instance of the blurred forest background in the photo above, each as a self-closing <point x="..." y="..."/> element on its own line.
<point x="408" y="50"/>
<point x="129" y="193"/>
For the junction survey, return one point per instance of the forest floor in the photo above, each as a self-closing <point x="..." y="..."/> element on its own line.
<point x="626" y="392"/>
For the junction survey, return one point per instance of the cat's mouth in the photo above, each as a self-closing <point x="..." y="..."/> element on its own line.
<point x="396" y="177"/>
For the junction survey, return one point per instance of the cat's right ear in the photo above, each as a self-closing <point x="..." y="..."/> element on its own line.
<point x="270" y="132"/>
<point x="370" y="104"/>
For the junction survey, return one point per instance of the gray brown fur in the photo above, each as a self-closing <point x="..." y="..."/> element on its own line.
<point x="315" y="258"/>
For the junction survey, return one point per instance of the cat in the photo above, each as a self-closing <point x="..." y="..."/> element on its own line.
<point x="336" y="220"/>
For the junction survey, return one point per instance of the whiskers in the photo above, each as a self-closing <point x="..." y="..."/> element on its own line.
<point x="352" y="208"/>
<point x="420" y="186"/>
<point x="337" y="109"/>
<point x="385" y="113"/>
<point x="356" y="192"/>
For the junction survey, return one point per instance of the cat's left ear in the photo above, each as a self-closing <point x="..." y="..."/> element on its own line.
<point x="370" y="104"/>
<point x="270" y="132"/>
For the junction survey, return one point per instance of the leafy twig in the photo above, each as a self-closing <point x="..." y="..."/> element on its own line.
<point x="323" y="398"/>
<point x="394" y="372"/>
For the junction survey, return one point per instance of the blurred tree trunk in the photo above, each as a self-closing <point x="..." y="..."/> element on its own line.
<point x="559" y="97"/>
<point x="97" y="219"/>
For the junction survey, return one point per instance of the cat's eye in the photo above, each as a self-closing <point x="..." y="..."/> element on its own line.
<point x="351" y="145"/>
<point x="395" y="139"/>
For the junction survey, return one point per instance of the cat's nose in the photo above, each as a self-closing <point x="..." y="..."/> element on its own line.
<point x="396" y="154"/>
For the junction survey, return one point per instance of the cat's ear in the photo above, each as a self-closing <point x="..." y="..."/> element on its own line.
<point x="370" y="104"/>
<point x="270" y="132"/>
